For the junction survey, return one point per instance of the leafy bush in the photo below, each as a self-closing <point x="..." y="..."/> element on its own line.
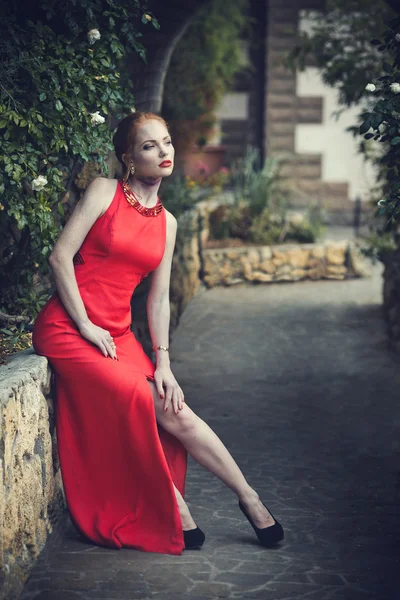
<point x="259" y="210"/>
<point x="384" y="119"/>
<point x="260" y="186"/>
<point x="60" y="71"/>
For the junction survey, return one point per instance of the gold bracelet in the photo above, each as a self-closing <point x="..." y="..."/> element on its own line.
<point x="160" y="348"/>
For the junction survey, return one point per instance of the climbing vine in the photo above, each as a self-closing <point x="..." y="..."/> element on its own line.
<point x="61" y="83"/>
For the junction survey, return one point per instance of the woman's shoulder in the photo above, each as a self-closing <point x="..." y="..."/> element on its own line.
<point x="104" y="189"/>
<point x="170" y="217"/>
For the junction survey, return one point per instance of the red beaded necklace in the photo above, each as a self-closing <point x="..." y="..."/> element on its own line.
<point x="133" y="201"/>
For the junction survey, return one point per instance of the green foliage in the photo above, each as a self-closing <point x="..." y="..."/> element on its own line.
<point x="53" y="80"/>
<point x="382" y="123"/>
<point x="259" y="210"/>
<point x="339" y="43"/>
<point x="179" y="194"/>
<point x="260" y="186"/>
<point x="378" y="245"/>
<point x="202" y="68"/>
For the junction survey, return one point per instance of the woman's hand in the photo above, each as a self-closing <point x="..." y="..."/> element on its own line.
<point x="99" y="337"/>
<point x="163" y="376"/>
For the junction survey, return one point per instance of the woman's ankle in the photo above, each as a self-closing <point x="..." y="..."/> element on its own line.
<point x="248" y="496"/>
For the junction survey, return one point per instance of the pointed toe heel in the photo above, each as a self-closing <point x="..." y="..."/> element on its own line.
<point x="267" y="536"/>
<point x="194" y="538"/>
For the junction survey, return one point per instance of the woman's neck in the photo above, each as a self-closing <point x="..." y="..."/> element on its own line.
<point x="146" y="189"/>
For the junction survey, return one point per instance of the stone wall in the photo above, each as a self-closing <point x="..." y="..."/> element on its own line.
<point x="391" y="298"/>
<point x="31" y="494"/>
<point x="268" y="264"/>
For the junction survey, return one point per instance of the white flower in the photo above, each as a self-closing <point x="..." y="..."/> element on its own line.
<point x="96" y="118"/>
<point x="397" y="37"/>
<point x="133" y="109"/>
<point x="370" y="87"/>
<point x="93" y="35"/>
<point x="382" y="202"/>
<point x="39" y="183"/>
<point x="395" y="87"/>
<point x="148" y="17"/>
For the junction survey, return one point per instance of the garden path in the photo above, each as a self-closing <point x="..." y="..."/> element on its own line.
<point x="298" y="382"/>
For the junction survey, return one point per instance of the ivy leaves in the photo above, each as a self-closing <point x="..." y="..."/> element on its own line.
<point x="54" y="79"/>
<point x="384" y="119"/>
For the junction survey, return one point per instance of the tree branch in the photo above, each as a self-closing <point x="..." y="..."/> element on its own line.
<point x="4" y="318"/>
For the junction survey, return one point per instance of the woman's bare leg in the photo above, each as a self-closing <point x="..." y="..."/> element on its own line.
<point x="186" y="517"/>
<point x="207" y="449"/>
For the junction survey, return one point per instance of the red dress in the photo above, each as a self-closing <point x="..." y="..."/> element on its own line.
<point x="118" y="466"/>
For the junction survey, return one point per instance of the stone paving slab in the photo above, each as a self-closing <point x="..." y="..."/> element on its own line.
<point x="298" y="382"/>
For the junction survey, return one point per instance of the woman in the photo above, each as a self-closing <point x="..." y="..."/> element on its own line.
<point x="123" y="426"/>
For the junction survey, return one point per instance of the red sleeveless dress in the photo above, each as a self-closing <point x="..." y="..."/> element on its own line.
<point x="118" y="466"/>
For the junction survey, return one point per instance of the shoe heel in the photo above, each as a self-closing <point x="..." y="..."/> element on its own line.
<point x="267" y="536"/>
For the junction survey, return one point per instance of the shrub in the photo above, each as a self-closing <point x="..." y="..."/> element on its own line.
<point x="61" y="84"/>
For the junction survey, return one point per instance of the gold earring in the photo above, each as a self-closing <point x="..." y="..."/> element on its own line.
<point x="132" y="169"/>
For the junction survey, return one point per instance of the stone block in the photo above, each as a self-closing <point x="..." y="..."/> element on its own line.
<point x="284" y="277"/>
<point x="299" y="273"/>
<point x="316" y="273"/>
<point x="268" y="266"/>
<point x="225" y="271"/>
<point x="318" y="252"/>
<point x="336" y="253"/>
<point x="358" y="263"/>
<point x="336" y="269"/>
<point x="265" y="252"/>
<point x="247" y="270"/>
<point x="253" y="257"/>
<point x="32" y="493"/>
<point x="261" y="277"/>
<point x="283" y="270"/>
<point x="332" y="276"/>
<point x="298" y="257"/>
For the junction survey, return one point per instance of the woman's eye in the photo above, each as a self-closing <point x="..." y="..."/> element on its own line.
<point x="169" y="142"/>
<point x="147" y="147"/>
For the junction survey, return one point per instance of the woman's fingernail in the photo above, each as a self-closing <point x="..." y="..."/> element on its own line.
<point x="161" y="396"/>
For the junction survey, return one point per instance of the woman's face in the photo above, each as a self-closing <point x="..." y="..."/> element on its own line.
<point x="153" y="154"/>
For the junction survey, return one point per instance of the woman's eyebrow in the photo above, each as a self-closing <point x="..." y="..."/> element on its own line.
<point x="167" y="136"/>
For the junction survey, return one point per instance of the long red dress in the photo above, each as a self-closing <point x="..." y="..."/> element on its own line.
<point x="118" y="466"/>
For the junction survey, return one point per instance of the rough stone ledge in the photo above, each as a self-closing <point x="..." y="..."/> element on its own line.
<point x="278" y="263"/>
<point x="32" y="498"/>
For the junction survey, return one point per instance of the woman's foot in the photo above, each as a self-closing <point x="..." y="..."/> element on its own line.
<point x="256" y="510"/>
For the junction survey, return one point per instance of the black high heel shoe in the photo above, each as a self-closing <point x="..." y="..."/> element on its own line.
<point x="194" y="538"/>
<point x="268" y="536"/>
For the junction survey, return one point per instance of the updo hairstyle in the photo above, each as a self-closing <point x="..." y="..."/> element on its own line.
<point x="124" y="137"/>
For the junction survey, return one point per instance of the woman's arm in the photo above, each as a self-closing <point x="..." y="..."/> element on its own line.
<point x="158" y="307"/>
<point x="158" y="316"/>
<point x="94" y="202"/>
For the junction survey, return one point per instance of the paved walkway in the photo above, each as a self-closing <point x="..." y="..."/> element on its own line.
<point x="298" y="382"/>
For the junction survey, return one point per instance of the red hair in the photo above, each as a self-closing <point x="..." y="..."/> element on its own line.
<point x="124" y="137"/>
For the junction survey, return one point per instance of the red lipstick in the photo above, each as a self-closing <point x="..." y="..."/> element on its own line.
<point x="165" y="163"/>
